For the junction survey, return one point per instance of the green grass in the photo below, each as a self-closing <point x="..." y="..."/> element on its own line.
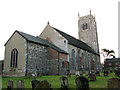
<point x="101" y="81"/>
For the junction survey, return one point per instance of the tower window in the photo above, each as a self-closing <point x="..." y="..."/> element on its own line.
<point x="14" y="57"/>
<point x="85" y="26"/>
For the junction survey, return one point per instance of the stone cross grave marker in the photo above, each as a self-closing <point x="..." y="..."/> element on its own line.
<point x="114" y="84"/>
<point x="82" y="83"/>
<point x="64" y="82"/>
<point x="20" y="84"/>
<point x="9" y="85"/>
<point x="43" y="85"/>
<point x="34" y="83"/>
<point x="92" y="76"/>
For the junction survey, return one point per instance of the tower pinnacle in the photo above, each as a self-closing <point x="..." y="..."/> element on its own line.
<point x="90" y="11"/>
<point x="48" y="23"/>
<point x="78" y="14"/>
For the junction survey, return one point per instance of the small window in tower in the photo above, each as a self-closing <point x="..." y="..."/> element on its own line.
<point x="85" y="26"/>
<point x="64" y="41"/>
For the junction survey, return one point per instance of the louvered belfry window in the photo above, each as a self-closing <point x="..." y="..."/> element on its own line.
<point x="14" y="58"/>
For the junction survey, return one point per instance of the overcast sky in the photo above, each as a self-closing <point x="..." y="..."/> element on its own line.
<point x="31" y="16"/>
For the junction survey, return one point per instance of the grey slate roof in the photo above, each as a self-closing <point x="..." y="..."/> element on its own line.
<point x="75" y="42"/>
<point x="38" y="40"/>
<point x="113" y="59"/>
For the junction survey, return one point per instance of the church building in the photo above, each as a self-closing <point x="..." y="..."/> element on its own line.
<point x="53" y="52"/>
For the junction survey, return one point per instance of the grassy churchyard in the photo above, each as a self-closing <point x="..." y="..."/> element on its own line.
<point x="101" y="81"/>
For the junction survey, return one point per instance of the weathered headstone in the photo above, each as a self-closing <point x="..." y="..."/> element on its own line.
<point x="68" y="74"/>
<point x="28" y="75"/>
<point x="64" y="82"/>
<point x="87" y="73"/>
<point x="43" y="85"/>
<point x="20" y="84"/>
<point x="42" y="71"/>
<point x="77" y="74"/>
<point x="97" y="73"/>
<point x="34" y="83"/>
<point x="114" y="84"/>
<point x="34" y="76"/>
<point x="39" y="74"/>
<point x="81" y="73"/>
<point x="92" y="76"/>
<point x="82" y="83"/>
<point x="9" y="85"/>
<point x="117" y="72"/>
<point x="105" y="73"/>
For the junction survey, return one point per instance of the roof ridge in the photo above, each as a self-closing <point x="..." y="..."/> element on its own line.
<point x="68" y="37"/>
<point x="29" y="37"/>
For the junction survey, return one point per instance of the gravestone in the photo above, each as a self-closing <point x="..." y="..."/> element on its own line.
<point x="28" y="75"/>
<point x="20" y="84"/>
<point x="64" y="82"/>
<point x="87" y="73"/>
<point x="68" y="74"/>
<point x="82" y="83"/>
<point x="34" y="76"/>
<point x="117" y="72"/>
<point x="97" y="73"/>
<point x="92" y="76"/>
<point x="9" y="85"/>
<point x="77" y="74"/>
<point x="34" y="83"/>
<point x="114" y="84"/>
<point x="81" y="71"/>
<point x="43" y="85"/>
<point x="39" y="74"/>
<point x="105" y="73"/>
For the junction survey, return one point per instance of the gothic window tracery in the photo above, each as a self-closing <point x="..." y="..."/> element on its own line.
<point x="14" y="57"/>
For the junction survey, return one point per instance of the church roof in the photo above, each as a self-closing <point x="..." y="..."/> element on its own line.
<point x="75" y="42"/>
<point x="38" y="40"/>
<point x="113" y="60"/>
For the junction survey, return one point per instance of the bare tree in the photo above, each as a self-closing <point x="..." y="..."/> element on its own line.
<point x="107" y="53"/>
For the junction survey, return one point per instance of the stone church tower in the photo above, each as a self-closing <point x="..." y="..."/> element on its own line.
<point x="87" y="31"/>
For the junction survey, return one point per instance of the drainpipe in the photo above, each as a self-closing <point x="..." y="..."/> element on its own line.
<point x="26" y="60"/>
<point x="58" y="63"/>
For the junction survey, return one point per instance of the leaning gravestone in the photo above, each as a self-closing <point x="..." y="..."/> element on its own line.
<point x="9" y="85"/>
<point x="64" y="82"/>
<point x="20" y="84"/>
<point x="92" y="77"/>
<point x="34" y="83"/>
<point x="97" y="73"/>
<point x="43" y="85"/>
<point x="114" y="84"/>
<point x="82" y="83"/>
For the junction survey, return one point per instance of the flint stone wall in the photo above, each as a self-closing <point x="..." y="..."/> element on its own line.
<point x="37" y="58"/>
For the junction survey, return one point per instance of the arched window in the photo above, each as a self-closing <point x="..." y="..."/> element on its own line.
<point x="85" y="26"/>
<point x="14" y="57"/>
<point x="63" y="64"/>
